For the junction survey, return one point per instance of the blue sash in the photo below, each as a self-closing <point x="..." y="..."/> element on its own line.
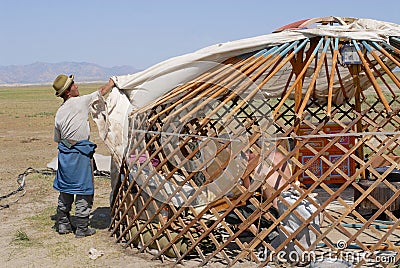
<point x="74" y="173"/>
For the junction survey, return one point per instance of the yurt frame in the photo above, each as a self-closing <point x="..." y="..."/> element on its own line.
<point x="336" y="125"/>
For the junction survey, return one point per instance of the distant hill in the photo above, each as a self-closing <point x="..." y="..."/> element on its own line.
<point x="43" y="73"/>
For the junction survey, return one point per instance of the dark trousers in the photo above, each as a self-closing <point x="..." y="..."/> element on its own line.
<point x="83" y="204"/>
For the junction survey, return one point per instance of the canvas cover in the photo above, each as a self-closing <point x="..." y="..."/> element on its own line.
<point x="135" y="91"/>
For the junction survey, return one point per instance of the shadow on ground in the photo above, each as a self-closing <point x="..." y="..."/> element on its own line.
<point x="100" y="218"/>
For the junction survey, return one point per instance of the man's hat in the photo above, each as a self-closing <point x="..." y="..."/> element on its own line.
<point x="62" y="83"/>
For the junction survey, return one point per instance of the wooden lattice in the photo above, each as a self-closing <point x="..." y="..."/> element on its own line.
<point x="182" y="191"/>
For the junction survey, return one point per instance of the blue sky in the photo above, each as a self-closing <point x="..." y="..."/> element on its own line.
<point x="143" y="33"/>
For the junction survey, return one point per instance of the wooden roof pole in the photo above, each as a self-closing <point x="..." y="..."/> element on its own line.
<point x="247" y="82"/>
<point x="299" y="78"/>
<point x="332" y="77"/>
<point x="355" y="73"/>
<point x="299" y="111"/>
<point x="298" y="93"/>
<point x="213" y="79"/>
<point x="181" y="89"/>
<point x="273" y="71"/>
<point x="371" y="77"/>
<point x="273" y="54"/>
<point x="396" y="50"/>
<point x="379" y="74"/>
<point x="394" y="78"/>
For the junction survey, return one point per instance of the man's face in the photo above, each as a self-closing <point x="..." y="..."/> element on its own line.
<point x="74" y="92"/>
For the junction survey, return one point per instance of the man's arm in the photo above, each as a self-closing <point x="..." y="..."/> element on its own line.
<point x="107" y="87"/>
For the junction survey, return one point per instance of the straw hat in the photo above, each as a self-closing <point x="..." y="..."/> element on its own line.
<point x="62" y="83"/>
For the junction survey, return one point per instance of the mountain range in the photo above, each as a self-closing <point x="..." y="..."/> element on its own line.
<point x="44" y="73"/>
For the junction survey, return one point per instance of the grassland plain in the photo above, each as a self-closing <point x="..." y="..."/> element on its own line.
<point x="28" y="238"/>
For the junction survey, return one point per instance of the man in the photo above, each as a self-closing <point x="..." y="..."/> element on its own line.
<point x="74" y="175"/>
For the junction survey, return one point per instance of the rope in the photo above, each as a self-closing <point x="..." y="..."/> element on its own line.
<point x="21" y="185"/>
<point x="273" y="136"/>
<point x="102" y="173"/>
<point x="21" y="182"/>
<point x="164" y="133"/>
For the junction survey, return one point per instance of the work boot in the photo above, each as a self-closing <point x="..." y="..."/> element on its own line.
<point x="64" y="224"/>
<point x="82" y="228"/>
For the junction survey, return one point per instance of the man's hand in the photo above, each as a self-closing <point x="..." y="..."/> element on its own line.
<point x="107" y="87"/>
